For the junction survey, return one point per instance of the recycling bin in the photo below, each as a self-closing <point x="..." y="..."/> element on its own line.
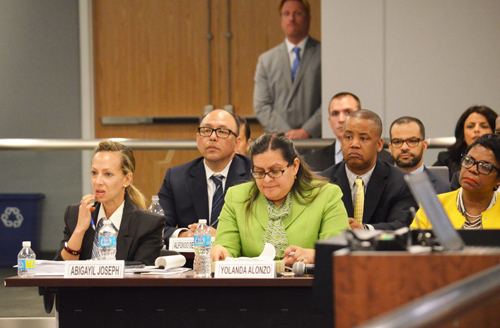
<point x="19" y="217"/>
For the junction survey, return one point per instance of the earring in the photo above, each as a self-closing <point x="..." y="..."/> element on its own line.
<point x="125" y="186"/>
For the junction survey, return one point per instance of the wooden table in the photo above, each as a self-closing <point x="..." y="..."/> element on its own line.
<point x="179" y="301"/>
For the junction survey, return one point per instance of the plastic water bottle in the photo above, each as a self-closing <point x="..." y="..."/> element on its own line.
<point x="155" y="205"/>
<point x="26" y="261"/>
<point x="107" y="241"/>
<point x="202" y="248"/>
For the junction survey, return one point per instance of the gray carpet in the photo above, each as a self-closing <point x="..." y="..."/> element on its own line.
<point x="20" y="302"/>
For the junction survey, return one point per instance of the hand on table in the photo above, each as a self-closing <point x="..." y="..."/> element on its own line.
<point x="192" y="228"/>
<point x="218" y="253"/>
<point x="355" y="225"/>
<point x="298" y="254"/>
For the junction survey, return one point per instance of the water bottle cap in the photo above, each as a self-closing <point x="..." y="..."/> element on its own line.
<point x="26" y="243"/>
<point x="202" y="221"/>
<point x="107" y="221"/>
<point x="155" y="198"/>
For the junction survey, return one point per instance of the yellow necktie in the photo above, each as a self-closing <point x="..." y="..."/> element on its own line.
<point x="360" y="201"/>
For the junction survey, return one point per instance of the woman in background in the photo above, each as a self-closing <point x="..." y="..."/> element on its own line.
<point x="114" y="198"/>
<point x="475" y="205"/>
<point x="244" y="147"/>
<point x="286" y="205"/>
<point x="474" y="122"/>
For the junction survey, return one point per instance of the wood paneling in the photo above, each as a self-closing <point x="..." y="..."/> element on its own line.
<point x="367" y="285"/>
<point x="151" y="59"/>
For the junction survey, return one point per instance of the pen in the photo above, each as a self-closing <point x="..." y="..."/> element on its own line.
<point x="92" y="222"/>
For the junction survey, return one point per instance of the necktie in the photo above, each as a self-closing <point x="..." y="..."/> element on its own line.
<point x="217" y="200"/>
<point x="360" y="201"/>
<point x="95" y="247"/>
<point x="296" y="62"/>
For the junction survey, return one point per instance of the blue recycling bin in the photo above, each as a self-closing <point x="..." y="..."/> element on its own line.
<point x="19" y="217"/>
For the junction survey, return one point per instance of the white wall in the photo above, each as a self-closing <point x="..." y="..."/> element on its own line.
<point x="428" y="58"/>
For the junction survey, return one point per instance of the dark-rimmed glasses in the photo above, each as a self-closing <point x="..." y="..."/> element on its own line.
<point x="482" y="166"/>
<point x="271" y="174"/>
<point x="411" y="142"/>
<point x="220" y="132"/>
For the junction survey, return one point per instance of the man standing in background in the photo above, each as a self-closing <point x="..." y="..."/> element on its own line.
<point x="287" y="93"/>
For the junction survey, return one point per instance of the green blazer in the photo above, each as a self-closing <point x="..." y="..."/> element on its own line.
<point x="323" y="218"/>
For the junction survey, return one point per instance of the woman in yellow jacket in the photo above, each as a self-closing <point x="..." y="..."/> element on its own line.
<point x="475" y="205"/>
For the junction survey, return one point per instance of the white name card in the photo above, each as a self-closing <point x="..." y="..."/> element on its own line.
<point x="245" y="269"/>
<point x="183" y="245"/>
<point x="94" y="269"/>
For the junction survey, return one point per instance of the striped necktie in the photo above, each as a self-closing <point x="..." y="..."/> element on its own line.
<point x="217" y="200"/>
<point x="360" y="201"/>
<point x="296" y="62"/>
<point x="95" y="246"/>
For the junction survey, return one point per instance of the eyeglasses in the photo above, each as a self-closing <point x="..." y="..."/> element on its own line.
<point x="272" y="174"/>
<point x="411" y="142"/>
<point x="220" y="132"/>
<point x="482" y="166"/>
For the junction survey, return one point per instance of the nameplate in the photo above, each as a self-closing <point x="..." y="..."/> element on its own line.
<point x="183" y="245"/>
<point x="245" y="269"/>
<point x="94" y="269"/>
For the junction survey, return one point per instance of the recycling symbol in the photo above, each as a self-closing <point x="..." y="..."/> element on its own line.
<point x="17" y="219"/>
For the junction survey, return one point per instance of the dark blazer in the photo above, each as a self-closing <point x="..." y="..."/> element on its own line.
<point x="323" y="158"/>
<point x="440" y="186"/>
<point x="387" y="200"/>
<point x="455" y="182"/>
<point x="183" y="194"/>
<point x="139" y="237"/>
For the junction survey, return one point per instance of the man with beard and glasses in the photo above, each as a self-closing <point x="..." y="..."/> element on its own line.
<point x="408" y="146"/>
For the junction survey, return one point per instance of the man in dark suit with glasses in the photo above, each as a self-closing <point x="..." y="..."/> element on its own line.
<point x="195" y="190"/>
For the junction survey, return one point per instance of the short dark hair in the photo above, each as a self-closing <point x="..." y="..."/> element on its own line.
<point x="345" y="94"/>
<point x="459" y="147"/>
<point x="406" y="120"/>
<point x="490" y="141"/>
<point x="369" y="115"/>
<point x="234" y="116"/>
<point x="305" y="3"/>
<point x="243" y="122"/>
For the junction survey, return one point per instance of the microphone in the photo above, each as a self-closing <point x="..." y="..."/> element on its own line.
<point x="300" y="268"/>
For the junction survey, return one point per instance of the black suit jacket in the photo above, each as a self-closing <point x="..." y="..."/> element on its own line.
<point x="387" y="199"/>
<point x="440" y="186"/>
<point x="139" y="237"/>
<point x="183" y="194"/>
<point x="323" y="158"/>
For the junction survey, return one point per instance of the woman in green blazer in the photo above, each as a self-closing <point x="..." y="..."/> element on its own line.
<point x="286" y="205"/>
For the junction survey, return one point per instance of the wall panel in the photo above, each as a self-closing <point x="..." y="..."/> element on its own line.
<point x="151" y="59"/>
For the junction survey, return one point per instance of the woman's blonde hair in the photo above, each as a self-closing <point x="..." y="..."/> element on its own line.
<point x="127" y="166"/>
